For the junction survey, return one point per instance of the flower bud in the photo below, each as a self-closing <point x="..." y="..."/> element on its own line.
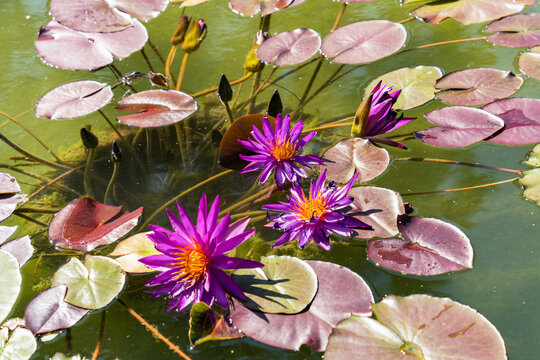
<point x="194" y="36"/>
<point x="225" y="91"/>
<point x="116" y="153"/>
<point x="180" y="31"/>
<point x="252" y="63"/>
<point x="361" y="117"/>
<point x="89" y="140"/>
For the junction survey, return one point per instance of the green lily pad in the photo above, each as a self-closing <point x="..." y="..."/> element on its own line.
<point x="284" y="285"/>
<point x="534" y="156"/>
<point x="91" y="285"/>
<point x="529" y="62"/>
<point x="130" y="250"/>
<point x="417" y="327"/>
<point x="61" y="356"/>
<point x="10" y="283"/>
<point x="417" y="85"/>
<point x="206" y="324"/>
<point x="531" y="182"/>
<point x="20" y="345"/>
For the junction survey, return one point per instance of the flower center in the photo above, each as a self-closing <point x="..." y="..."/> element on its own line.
<point x="191" y="264"/>
<point x="312" y="208"/>
<point x="283" y="151"/>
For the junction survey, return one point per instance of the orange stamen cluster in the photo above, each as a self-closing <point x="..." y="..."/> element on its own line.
<point x="191" y="263"/>
<point x="312" y="207"/>
<point x="283" y="151"/>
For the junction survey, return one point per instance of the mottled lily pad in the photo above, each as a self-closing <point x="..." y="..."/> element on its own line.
<point x="479" y="86"/>
<point x="354" y="155"/>
<point x="529" y="62"/>
<point x="364" y="42"/>
<point x="377" y="207"/>
<point x="21" y="248"/>
<point x="429" y="247"/>
<point x="49" y="312"/>
<point x="91" y="285"/>
<point x="130" y="250"/>
<point x="206" y="324"/>
<point x="521" y="30"/>
<point x="417" y="85"/>
<point x="521" y="118"/>
<point x="459" y="126"/>
<point x="284" y="285"/>
<point x="264" y="7"/>
<point x="19" y="345"/>
<point x="417" y="327"/>
<point x="290" y="47"/>
<point x="10" y="283"/>
<point x="74" y="99"/>
<point x="156" y="108"/>
<point x="335" y="300"/>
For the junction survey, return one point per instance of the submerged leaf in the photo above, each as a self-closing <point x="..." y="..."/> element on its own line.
<point x="290" y="47"/>
<point x="206" y="324"/>
<point x="519" y="30"/>
<point x="130" y="250"/>
<point x="10" y="283"/>
<point x="529" y="62"/>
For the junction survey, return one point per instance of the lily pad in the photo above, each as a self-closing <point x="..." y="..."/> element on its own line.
<point x="459" y="126"/>
<point x="230" y="149"/>
<point x="479" y="86"/>
<point x="529" y="62"/>
<point x="206" y="324"/>
<point x="74" y="99"/>
<point x="91" y="285"/>
<point x="62" y="356"/>
<point x="334" y="301"/>
<point x="377" y="207"/>
<point x="467" y="11"/>
<point x="8" y="184"/>
<point x="354" y="155"/>
<point x="10" y="283"/>
<point x="130" y="250"/>
<point x="417" y="327"/>
<point x="6" y="232"/>
<point x="65" y="48"/>
<point x="521" y="30"/>
<point x="531" y="182"/>
<point x="21" y="248"/>
<point x="156" y="108"/>
<point x="429" y="247"/>
<point x="264" y="7"/>
<point x="521" y="118"/>
<point x="102" y="15"/>
<point x="364" y="42"/>
<point x="417" y="85"/>
<point x="8" y="203"/>
<point x="290" y="47"/>
<point x="49" y="312"/>
<point x="533" y="158"/>
<point x="19" y="345"/>
<point x="284" y="285"/>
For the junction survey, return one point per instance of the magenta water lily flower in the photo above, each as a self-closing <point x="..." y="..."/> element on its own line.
<point x="277" y="150"/>
<point x="192" y="257"/>
<point x="317" y="215"/>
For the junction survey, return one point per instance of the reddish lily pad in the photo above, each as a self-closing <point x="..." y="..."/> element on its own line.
<point x="230" y="149"/>
<point x="206" y="324"/>
<point x="521" y="30"/>
<point x="21" y="248"/>
<point x="65" y="48"/>
<point x="102" y="15"/>
<point x="364" y="42"/>
<point x="429" y="247"/>
<point x="459" y="126"/>
<point x="49" y="312"/>
<point x="74" y="99"/>
<point x="265" y="7"/>
<point x="85" y="224"/>
<point x="521" y="118"/>
<point x="529" y="62"/>
<point x="334" y="301"/>
<point x="130" y="250"/>
<point x="156" y="108"/>
<point x="354" y="155"/>
<point x="467" y="11"/>
<point x="290" y="47"/>
<point x="479" y="86"/>
<point x="417" y="327"/>
<point x="6" y="232"/>
<point x="417" y="85"/>
<point x="377" y="207"/>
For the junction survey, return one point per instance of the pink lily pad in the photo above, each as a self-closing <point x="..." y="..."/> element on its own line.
<point x="417" y="327"/>
<point x="85" y="224"/>
<point x="468" y="11"/>
<point x="8" y="198"/>
<point x="364" y="42"/>
<point x="313" y="326"/>
<point x="290" y="47"/>
<point x="521" y="30"/>
<point x="49" y="312"/>
<point x="8" y="184"/>
<point x="459" y="126"/>
<point x="74" y="99"/>
<point x="377" y="207"/>
<point x="264" y="7"/>
<point x="529" y="62"/>
<point x="6" y="232"/>
<point x="429" y="247"/>
<point x="21" y="248"/>
<point x="521" y="118"/>
<point x="479" y="86"/>
<point x="65" y="48"/>
<point x="157" y="108"/>
<point x="102" y="15"/>
<point x="354" y="155"/>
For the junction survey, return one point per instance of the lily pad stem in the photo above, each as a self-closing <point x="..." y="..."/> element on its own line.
<point x="444" y="161"/>
<point x="32" y="156"/>
<point x="445" y="43"/>
<point x="462" y="189"/>
<point x="168" y="65"/>
<point x="59" y="177"/>
<point x="182" y="71"/>
<point x="253" y="96"/>
<point x="311" y="81"/>
<point x="143" y="53"/>
<point x="100" y="336"/>
<point x="156" y="50"/>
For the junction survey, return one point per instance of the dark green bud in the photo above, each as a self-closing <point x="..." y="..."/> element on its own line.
<point x="180" y="31"/>
<point x="89" y="140"/>
<point x="275" y="105"/>
<point x="116" y="153"/>
<point x="224" y="90"/>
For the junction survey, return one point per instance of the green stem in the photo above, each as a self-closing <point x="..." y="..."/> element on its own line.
<point x="156" y="50"/>
<point x="100" y="336"/>
<point x="310" y="84"/>
<point x="31" y="219"/>
<point x="37" y="210"/>
<point x="340" y="15"/>
<point x="143" y="53"/>
<point x="88" y="167"/>
<point x="149" y="149"/>
<point x="59" y="177"/>
<point x="179" y="138"/>
<point x="32" y="156"/>
<point x="116" y="166"/>
<point x="321" y="88"/>
<point x="253" y="96"/>
<point x="444" y="161"/>
<point x="182" y="71"/>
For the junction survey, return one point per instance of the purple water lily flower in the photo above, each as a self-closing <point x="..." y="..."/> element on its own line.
<point x="278" y="150"/>
<point x="317" y="215"/>
<point x="192" y="257"/>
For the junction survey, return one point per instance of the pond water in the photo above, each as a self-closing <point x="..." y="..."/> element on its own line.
<point x="502" y="225"/>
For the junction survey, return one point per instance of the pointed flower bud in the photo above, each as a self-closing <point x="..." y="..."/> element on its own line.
<point x="361" y="117"/>
<point x="180" y="31"/>
<point x="224" y="90"/>
<point x="89" y="140"/>
<point x="194" y="37"/>
<point x="275" y="106"/>
<point x="116" y="153"/>
<point x="252" y="63"/>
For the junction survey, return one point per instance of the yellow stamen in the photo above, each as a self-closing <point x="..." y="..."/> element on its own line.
<point x="309" y="208"/>
<point x="283" y="151"/>
<point x="191" y="263"/>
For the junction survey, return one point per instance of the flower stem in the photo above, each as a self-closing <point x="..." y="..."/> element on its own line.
<point x="446" y="42"/>
<point x="168" y="65"/>
<point x="154" y="331"/>
<point x="247" y="213"/>
<point x="111" y="182"/>
<point x="444" y="161"/>
<point x="149" y="149"/>
<point x="461" y="189"/>
<point x="100" y="336"/>
<point x="328" y="126"/>
<point x="32" y="156"/>
<point x="214" y="89"/>
<point x="50" y="183"/>
<point x="255" y="196"/>
<point x="180" y="140"/>
<point x="311" y="81"/>
<point x="182" y="71"/>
